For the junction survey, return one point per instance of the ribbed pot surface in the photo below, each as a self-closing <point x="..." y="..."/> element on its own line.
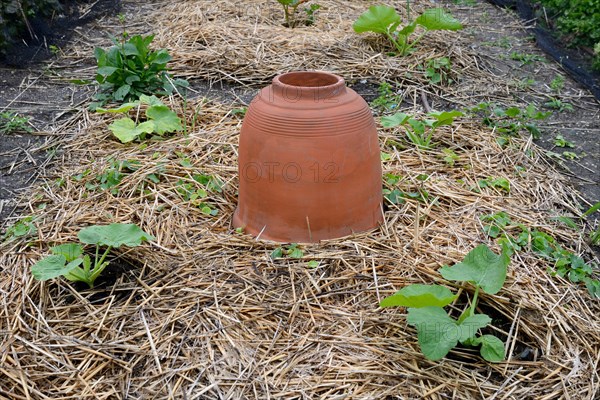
<point x="309" y="161"/>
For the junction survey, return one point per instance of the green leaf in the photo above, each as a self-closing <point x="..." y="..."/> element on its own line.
<point x="378" y="19"/>
<point x="482" y="267"/>
<point x="445" y="117"/>
<point x="394" y="120"/>
<point x="106" y="71"/>
<point x="295" y="253"/>
<point x="80" y="81"/>
<point x="277" y="253"/>
<point x="151" y="100"/>
<point x="419" y="295"/>
<point x="162" y="57"/>
<point x="438" y="19"/>
<point x="471" y="324"/>
<point x="114" y="235"/>
<point x="123" y="108"/>
<point x="70" y="251"/>
<point x="122" y="92"/>
<point x="512" y="112"/>
<point x="592" y="209"/>
<point x="164" y="119"/>
<point x="437" y="332"/>
<point x="129" y="49"/>
<point x="492" y="348"/>
<point x="313" y="264"/>
<point x="126" y="130"/>
<point x="53" y="267"/>
<point x="408" y="29"/>
<point x="567" y="221"/>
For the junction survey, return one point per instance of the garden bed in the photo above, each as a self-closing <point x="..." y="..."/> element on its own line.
<point x="205" y="311"/>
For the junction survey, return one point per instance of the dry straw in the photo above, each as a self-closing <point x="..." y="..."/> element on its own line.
<point x="205" y="313"/>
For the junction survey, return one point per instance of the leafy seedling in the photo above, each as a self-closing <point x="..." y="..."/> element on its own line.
<point x="557" y="84"/>
<point x="525" y="58"/>
<point x="501" y="184"/>
<point x="290" y="7"/>
<point x="197" y="192"/>
<point x="420" y="133"/>
<point x="438" y="71"/>
<point x="438" y="332"/>
<point x="510" y="121"/>
<point x="559" y="105"/>
<point x="388" y="99"/>
<point x="560" y="141"/>
<point x="565" y="263"/>
<point x="450" y="157"/>
<point x="291" y="251"/>
<point x="160" y="119"/>
<point x="11" y="122"/>
<point x="68" y="260"/>
<point x="23" y="227"/>
<point x="130" y="69"/>
<point x="385" y="20"/>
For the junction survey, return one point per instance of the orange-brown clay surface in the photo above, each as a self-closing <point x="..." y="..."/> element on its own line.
<point x="309" y="161"/>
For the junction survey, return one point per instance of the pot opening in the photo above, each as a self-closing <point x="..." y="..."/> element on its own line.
<point x="309" y="79"/>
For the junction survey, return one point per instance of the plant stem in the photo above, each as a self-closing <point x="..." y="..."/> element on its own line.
<point x="96" y="262"/>
<point x="408" y="9"/>
<point x="394" y="41"/>
<point x="286" y="13"/>
<point x="474" y="301"/>
<point x="406" y="49"/>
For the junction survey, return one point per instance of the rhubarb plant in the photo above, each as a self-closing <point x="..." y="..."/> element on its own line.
<point x="386" y="21"/>
<point x="69" y="260"/>
<point x="160" y="119"/>
<point x="438" y="332"/>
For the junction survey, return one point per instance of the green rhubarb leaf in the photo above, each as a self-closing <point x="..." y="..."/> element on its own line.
<point x="481" y="267"/>
<point x="114" y="235"/>
<point x="394" y="120"/>
<point x="378" y="19"/>
<point x="164" y="119"/>
<point x="70" y="251"/>
<point x="53" y="266"/>
<point x="419" y="295"/>
<point x="437" y="19"/>
<point x="437" y="332"/>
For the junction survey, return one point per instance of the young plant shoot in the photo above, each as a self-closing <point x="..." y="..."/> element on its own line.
<point x="386" y="21"/>
<point x="438" y="332"/>
<point x="68" y="259"/>
<point x="160" y="119"/>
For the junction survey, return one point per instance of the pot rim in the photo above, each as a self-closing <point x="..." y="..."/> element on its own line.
<point x="315" y="85"/>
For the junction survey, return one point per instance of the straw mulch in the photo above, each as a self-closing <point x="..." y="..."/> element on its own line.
<point x="204" y="312"/>
<point x="247" y="43"/>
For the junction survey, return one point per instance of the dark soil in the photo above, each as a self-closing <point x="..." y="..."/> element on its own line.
<point x="500" y="37"/>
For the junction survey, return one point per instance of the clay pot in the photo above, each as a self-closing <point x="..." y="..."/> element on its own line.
<point x="309" y="161"/>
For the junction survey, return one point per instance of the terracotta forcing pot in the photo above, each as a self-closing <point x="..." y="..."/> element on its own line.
<point x="309" y="161"/>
